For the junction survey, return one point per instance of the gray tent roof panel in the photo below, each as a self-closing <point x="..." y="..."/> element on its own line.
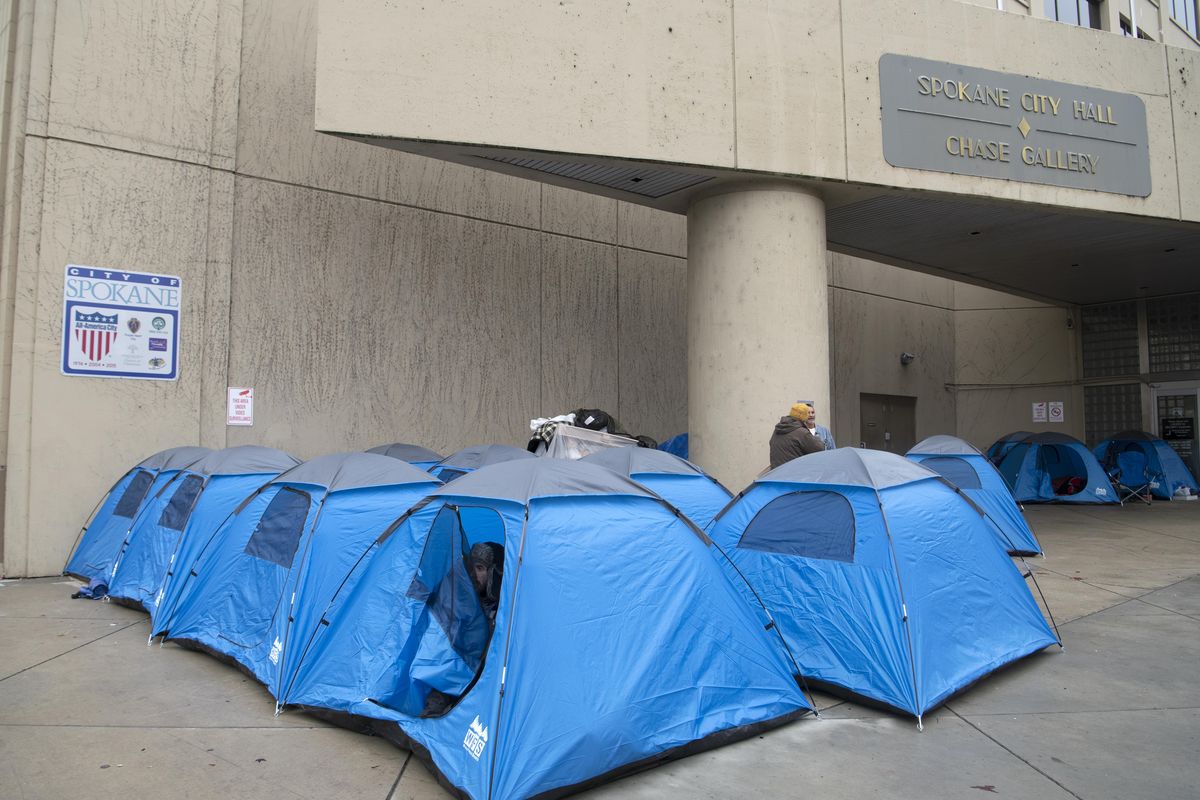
<point x="850" y="466"/>
<point x="1131" y="436"/>
<point x="249" y="459"/>
<point x="407" y="452"/>
<point x="943" y="444"/>
<point x="1015" y="436"/>
<point x="482" y="455"/>
<point x="1052" y="437"/>
<point x="341" y="471"/>
<point x="634" y="460"/>
<point x="174" y="458"/>
<point x="525" y="479"/>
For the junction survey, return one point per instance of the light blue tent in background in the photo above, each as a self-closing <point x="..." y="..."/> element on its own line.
<point x="472" y="458"/>
<point x="1163" y="464"/>
<point x="419" y="457"/>
<point x="619" y="640"/>
<point x="963" y="465"/>
<point x="185" y="514"/>
<point x="886" y="583"/>
<point x="105" y="531"/>
<point x="681" y="483"/>
<point x="264" y="578"/>
<point x="1055" y="468"/>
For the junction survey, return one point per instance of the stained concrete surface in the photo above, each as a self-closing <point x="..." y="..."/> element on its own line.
<point x="87" y="708"/>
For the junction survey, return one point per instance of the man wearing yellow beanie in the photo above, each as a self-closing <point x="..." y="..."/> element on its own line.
<point x="792" y="437"/>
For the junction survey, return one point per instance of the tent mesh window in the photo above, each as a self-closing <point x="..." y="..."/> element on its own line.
<point x="1109" y="409"/>
<point x="444" y="583"/>
<point x="447" y="474"/>
<point x="1110" y="340"/>
<point x="175" y="515"/>
<point x="135" y="492"/>
<point x="1173" y="328"/>
<point x="277" y="534"/>
<point x="955" y="470"/>
<point x="816" y="524"/>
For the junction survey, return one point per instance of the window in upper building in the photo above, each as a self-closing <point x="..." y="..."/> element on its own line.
<point x="1184" y="12"/>
<point x="1085" y="13"/>
<point x="1110" y="340"/>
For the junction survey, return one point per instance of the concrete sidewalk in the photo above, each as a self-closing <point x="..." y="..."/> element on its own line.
<point x="88" y="710"/>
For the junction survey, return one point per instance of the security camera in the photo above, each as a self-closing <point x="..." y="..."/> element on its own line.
<point x="906" y="358"/>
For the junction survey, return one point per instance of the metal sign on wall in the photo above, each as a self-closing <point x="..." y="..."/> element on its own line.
<point x="951" y="118"/>
<point x="120" y="324"/>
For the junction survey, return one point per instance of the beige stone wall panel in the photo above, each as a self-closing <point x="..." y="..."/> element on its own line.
<point x="642" y="80"/>
<point x="140" y="76"/>
<point x="789" y="88"/>
<point x="578" y="214"/>
<point x="642" y="228"/>
<point x="578" y="318"/>
<point x="360" y="323"/>
<point x="277" y="140"/>
<point x="107" y="209"/>
<point x="1015" y="346"/>
<point x="860" y="275"/>
<point x="960" y="33"/>
<point x="985" y="416"/>
<point x="1184" y="69"/>
<point x="652" y="344"/>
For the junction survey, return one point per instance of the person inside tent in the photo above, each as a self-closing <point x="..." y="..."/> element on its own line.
<point x="485" y="565"/>
<point x="792" y="437"/>
<point x="486" y="561"/>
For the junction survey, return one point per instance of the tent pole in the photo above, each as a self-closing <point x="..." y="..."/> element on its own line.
<point x="1038" y="586"/>
<point x="89" y="519"/>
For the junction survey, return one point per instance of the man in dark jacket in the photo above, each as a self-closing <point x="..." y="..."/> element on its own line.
<point x="792" y="437"/>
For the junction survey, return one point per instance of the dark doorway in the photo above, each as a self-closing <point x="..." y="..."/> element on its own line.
<point x="888" y="422"/>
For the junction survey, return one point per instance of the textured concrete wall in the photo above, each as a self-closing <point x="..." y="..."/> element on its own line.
<point x="368" y="296"/>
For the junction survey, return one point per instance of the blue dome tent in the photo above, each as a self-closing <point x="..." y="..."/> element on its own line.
<point x="679" y="482"/>
<point x="186" y="512"/>
<point x="969" y="470"/>
<point x="886" y="583"/>
<point x="263" y="579"/>
<point x="472" y="458"/>
<point x="1055" y="468"/>
<point x="1168" y="469"/>
<point x="619" y="641"/>
<point x="419" y="457"/>
<point x="105" y="531"/>
<point x="1001" y="446"/>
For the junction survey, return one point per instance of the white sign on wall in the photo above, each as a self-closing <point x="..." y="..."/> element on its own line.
<point x="1039" y="412"/>
<point x="241" y="406"/>
<point x="120" y="324"/>
<point x="1056" y="412"/>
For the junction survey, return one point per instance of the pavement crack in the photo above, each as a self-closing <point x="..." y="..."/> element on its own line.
<point x="72" y="650"/>
<point x="392" y="792"/>
<point x="1016" y="755"/>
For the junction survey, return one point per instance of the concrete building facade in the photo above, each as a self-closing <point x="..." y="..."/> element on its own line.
<point x="435" y="291"/>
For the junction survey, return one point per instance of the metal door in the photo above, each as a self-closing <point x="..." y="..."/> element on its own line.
<point x="888" y="422"/>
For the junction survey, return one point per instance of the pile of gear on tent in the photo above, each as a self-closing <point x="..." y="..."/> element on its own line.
<point x="534" y="626"/>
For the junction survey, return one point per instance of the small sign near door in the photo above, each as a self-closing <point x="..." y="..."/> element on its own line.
<point x="1056" y="411"/>
<point x="1178" y="428"/>
<point x="1039" y="412"/>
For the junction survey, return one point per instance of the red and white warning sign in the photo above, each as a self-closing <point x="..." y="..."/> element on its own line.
<point x="241" y="406"/>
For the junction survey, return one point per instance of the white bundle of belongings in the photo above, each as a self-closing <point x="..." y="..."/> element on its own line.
<point x="576" y="435"/>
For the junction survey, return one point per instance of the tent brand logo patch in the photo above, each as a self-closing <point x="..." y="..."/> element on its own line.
<point x="476" y="738"/>
<point x="276" y="648"/>
<point x="1101" y="491"/>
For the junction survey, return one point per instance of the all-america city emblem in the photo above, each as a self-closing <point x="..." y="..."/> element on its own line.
<point x="95" y="333"/>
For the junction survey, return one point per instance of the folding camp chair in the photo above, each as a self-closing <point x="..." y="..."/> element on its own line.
<point x="1131" y="477"/>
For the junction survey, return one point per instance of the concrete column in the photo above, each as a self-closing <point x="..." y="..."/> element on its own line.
<point x="758" y="321"/>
